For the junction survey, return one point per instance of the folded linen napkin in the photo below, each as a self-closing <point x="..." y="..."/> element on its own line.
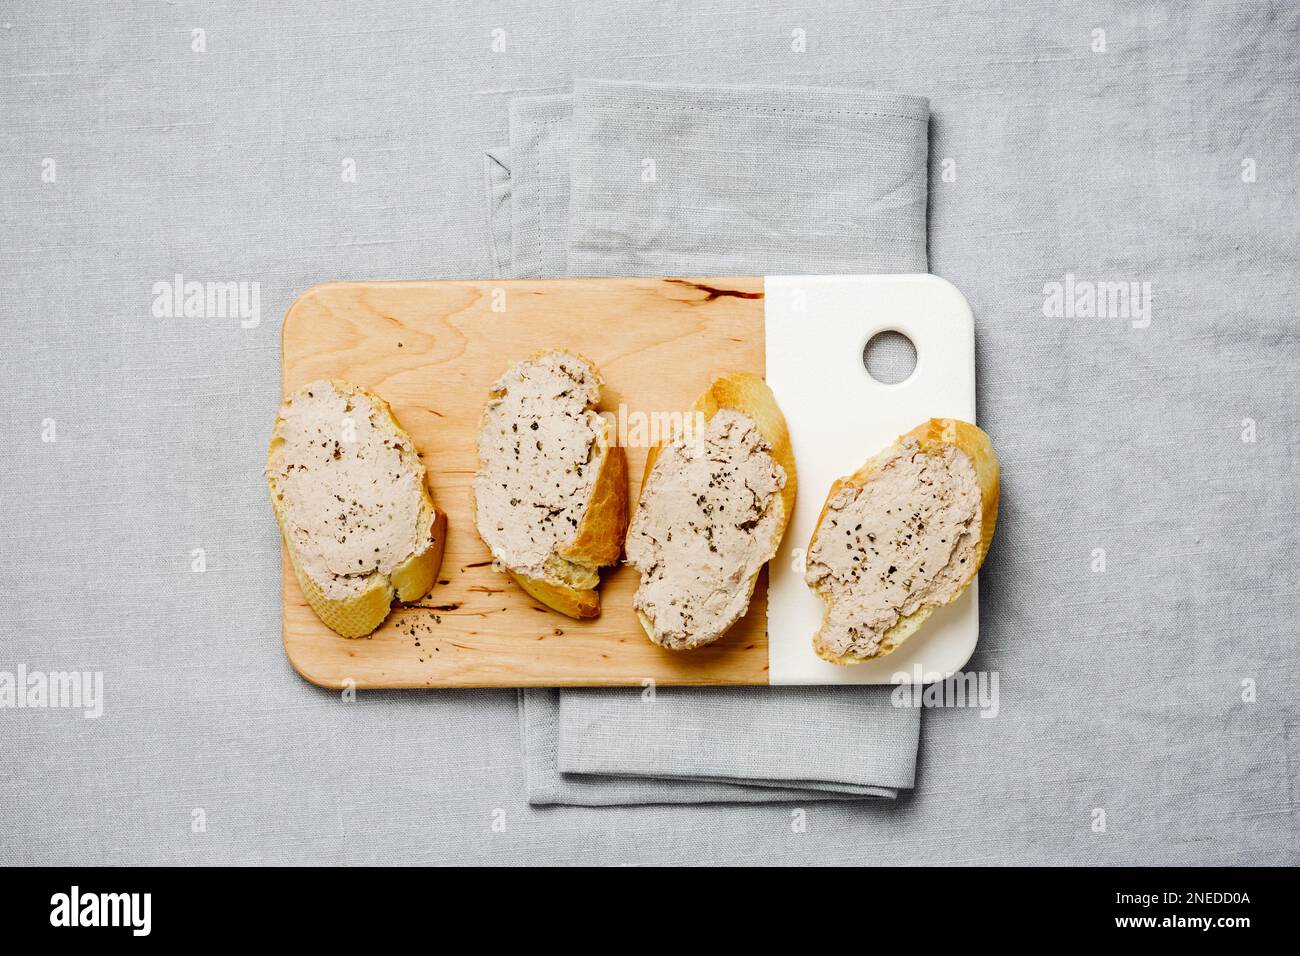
<point x="650" y="179"/>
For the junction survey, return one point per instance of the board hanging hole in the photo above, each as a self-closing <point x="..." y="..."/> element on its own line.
<point x="889" y="357"/>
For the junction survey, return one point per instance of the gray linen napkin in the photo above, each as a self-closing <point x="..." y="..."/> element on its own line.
<point x="690" y="180"/>
<point x="651" y="179"/>
<point x="540" y="127"/>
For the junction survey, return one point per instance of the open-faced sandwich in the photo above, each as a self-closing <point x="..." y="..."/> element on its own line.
<point x="550" y="495"/>
<point x="901" y="536"/>
<point x="349" y="492"/>
<point x="714" y="504"/>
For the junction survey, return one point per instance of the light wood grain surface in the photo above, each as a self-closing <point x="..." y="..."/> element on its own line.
<point x="432" y="349"/>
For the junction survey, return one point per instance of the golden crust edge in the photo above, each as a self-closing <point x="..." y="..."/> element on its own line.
<point x="571" y="602"/>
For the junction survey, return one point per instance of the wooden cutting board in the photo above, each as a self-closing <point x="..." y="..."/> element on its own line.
<point x="433" y="349"/>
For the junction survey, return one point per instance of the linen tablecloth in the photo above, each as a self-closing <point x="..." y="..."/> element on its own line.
<point x="1140" y="604"/>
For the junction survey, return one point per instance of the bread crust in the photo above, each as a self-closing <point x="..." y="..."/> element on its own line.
<point x="932" y="437"/>
<point x="599" y="538"/>
<point x="599" y="541"/>
<point x="411" y="580"/>
<point x="572" y="602"/>
<point x="748" y="395"/>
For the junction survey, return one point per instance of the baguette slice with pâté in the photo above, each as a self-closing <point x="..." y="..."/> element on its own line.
<point x="901" y="536"/>
<point x="550" y="495"/>
<point x="349" y="492"/>
<point x="714" y="505"/>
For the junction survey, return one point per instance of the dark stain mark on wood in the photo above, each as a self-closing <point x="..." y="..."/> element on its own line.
<point x="712" y="292"/>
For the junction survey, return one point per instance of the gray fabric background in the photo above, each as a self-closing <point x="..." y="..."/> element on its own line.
<point x="1119" y="690"/>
